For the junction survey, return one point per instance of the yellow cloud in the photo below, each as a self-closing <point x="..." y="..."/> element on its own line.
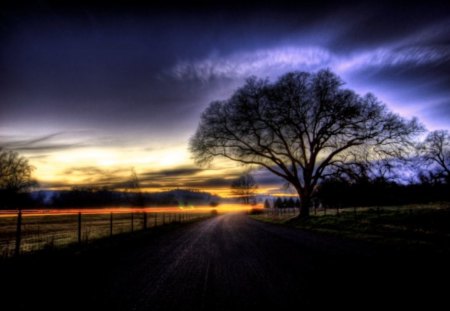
<point x="112" y="165"/>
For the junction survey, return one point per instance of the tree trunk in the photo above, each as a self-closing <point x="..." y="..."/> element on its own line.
<point x="305" y="206"/>
<point x="79" y="227"/>
<point x="111" y="224"/>
<point x="305" y="202"/>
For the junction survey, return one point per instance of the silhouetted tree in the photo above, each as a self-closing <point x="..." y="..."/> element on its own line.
<point x="15" y="179"/>
<point x="278" y="203"/>
<point x="87" y="197"/>
<point x="435" y="152"/>
<point x="244" y="187"/>
<point x="299" y="128"/>
<point x="290" y="203"/>
<point x="133" y="190"/>
<point x="267" y="203"/>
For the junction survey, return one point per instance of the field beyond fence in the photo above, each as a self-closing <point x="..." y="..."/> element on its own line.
<point x="33" y="230"/>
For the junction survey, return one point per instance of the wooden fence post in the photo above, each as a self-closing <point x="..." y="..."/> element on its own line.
<point x="132" y="222"/>
<point x="79" y="227"/>
<point x="111" y="224"/>
<point x="18" y="232"/>
<point x="145" y="220"/>
<point x="156" y="219"/>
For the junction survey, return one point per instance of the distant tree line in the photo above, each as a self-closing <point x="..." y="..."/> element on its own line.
<point x="340" y="193"/>
<point x="378" y="183"/>
<point x="94" y="197"/>
<point x="284" y="203"/>
<point x="87" y="197"/>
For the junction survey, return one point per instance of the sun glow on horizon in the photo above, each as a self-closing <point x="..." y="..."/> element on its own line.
<point x="221" y="209"/>
<point x="159" y="168"/>
<point x="85" y="165"/>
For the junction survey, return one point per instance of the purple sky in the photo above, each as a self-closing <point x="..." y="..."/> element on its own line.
<point x="91" y="79"/>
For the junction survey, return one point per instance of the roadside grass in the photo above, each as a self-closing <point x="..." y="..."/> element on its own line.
<point x="419" y="227"/>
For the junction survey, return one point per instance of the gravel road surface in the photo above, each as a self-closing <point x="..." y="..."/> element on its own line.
<point x="228" y="262"/>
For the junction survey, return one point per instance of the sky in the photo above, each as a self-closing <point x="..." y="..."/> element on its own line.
<point x="90" y="90"/>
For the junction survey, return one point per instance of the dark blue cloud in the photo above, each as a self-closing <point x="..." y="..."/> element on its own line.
<point x="153" y="68"/>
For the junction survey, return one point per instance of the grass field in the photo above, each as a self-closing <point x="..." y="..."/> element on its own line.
<point x="49" y="231"/>
<point x="415" y="227"/>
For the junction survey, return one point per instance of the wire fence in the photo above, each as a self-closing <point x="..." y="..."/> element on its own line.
<point x="21" y="232"/>
<point x="355" y="212"/>
<point x="290" y="212"/>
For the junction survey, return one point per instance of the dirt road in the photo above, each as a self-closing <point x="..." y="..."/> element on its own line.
<point x="229" y="262"/>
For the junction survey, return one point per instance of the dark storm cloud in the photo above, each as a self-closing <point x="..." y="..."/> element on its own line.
<point x="420" y="88"/>
<point x="198" y="183"/>
<point x="55" y="185"/>
<point x="103" y="67"/>
<point x="175" y="172"/>
<point x="93" y="171"/>
<point x="96" y="177"/>
<point x="382" y="22"/>
<point x="101" y="73"/>
<point x="264" y="177"/>
<point x="211" y="183"/>
<point x="40" y="144"/>
<point x="179" y="177"/>
<point x="186" y="176"/>
<point x="35" y="145"/>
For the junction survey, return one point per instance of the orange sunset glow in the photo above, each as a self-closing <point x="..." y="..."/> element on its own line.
<point x="223" y="208"/>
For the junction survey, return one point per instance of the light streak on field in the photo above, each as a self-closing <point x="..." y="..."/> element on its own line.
<point x="223" y="208"/>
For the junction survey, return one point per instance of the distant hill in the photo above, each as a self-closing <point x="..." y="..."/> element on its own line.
<point x="181" y="197"/>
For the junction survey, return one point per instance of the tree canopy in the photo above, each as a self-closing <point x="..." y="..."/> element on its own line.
<point x="301" y="127"/>
<point x="435" y="151"/>
<point x="15" y="177"/>
<point x="15" y="172"/>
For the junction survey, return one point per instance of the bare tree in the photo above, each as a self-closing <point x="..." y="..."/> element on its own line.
<point x="435" y="151"/>
<point x="133" y="189"/>
<point x="299" y="128"/>
<point x="244" y="187"/>
<point x="15" y="172"/>
<point x="15" y="176"/>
